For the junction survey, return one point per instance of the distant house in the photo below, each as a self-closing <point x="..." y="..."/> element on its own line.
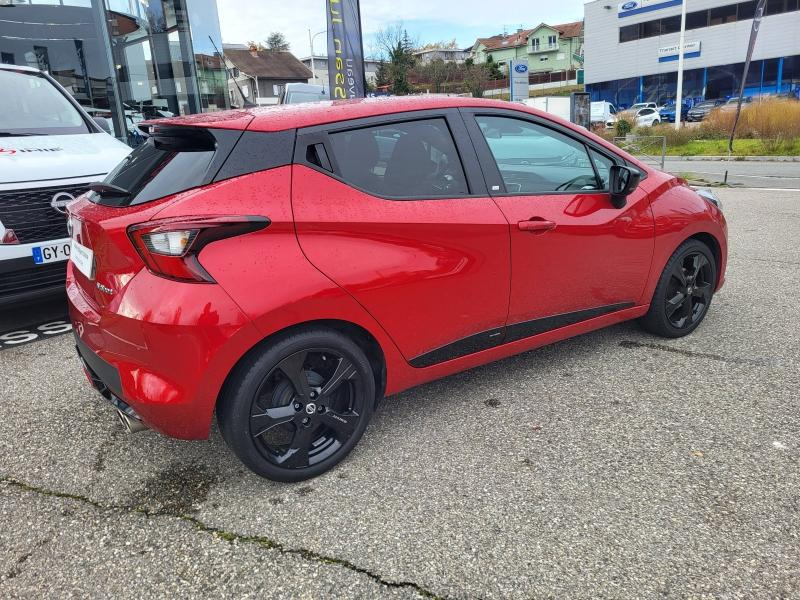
<point x="261" y="74"/>
<point x="547" y="47"/>
<point x="321" y="69"/>
<point x="448" y="55"/>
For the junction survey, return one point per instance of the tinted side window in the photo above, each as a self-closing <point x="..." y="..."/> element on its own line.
<point x="414" y="159"/>
<point x="534" y="160"/>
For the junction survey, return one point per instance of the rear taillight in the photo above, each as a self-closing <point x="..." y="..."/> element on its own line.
<point x="170" y="247"/>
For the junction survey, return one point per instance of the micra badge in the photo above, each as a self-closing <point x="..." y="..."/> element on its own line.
<point x="104" y="289"/>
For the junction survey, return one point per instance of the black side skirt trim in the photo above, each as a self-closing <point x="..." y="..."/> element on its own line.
<point x="511" y="333"/>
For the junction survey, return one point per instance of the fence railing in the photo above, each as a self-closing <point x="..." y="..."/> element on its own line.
<point x="647" y="148"/>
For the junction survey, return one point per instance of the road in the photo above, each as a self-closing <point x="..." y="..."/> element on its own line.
<point x="611" y="465"/>
<point x="759" y="174"/>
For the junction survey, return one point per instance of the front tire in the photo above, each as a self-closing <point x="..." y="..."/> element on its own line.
<point x="684" y="291"/>
<point x="296" y="407"/>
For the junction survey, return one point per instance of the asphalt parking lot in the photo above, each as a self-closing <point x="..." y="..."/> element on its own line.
<point x="611" y="465"/>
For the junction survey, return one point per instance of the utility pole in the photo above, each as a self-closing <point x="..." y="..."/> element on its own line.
<point x="311" y="45"/>
<point x="681" y="42"/>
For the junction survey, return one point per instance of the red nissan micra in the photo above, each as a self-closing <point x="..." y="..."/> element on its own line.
<point x="288" y="266"/>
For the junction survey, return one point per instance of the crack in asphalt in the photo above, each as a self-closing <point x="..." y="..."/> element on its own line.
<point x="231" y="537"/>
<point x="761" y="362"/>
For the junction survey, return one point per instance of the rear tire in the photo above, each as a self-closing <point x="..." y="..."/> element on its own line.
<point x="296" y="407"/>
<point x="684" y="291"/>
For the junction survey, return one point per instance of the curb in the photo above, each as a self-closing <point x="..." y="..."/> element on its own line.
<point x="736" y="158"/>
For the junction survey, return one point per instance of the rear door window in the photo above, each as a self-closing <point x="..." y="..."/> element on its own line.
<point x="412" y="159"/>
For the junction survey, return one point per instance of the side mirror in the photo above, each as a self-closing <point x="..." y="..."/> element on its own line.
<point x="623" y="180"/>
<point x="103" y="124"/>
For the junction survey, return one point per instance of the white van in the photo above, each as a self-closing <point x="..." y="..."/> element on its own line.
<point x="554" y="105"/>
<point x="603" y="112"/>
<point x="50" y="151"/>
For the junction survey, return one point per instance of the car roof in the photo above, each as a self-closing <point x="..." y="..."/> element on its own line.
<point x="291" y="116"/>
<point x="18" y="68"/>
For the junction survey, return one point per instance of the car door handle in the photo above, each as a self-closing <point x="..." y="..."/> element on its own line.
<point x="536" y="225"/>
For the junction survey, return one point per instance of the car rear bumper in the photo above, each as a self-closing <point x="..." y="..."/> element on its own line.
<point x="165" y="360"/>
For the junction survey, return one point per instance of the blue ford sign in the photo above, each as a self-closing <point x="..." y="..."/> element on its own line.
<point x="635" y="7"/>
<point x="521" y="68"/>
<point x="520" y="89"/>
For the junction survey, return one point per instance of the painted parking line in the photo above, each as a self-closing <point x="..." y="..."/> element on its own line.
<point x="34" y="333"/>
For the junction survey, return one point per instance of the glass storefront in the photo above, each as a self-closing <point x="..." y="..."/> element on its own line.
<point x="769" y="76"/>
<point x="126" y="60"/>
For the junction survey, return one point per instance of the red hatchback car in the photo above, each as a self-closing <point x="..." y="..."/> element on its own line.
<point x="287" y="267"/>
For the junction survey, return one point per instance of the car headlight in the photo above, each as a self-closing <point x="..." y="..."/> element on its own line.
<point x="709" y="195"/>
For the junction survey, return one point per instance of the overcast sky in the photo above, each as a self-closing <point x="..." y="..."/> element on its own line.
<point x="428" y="20"/>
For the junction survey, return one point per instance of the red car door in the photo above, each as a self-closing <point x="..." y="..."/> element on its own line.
<point x="395" y="211"/>
<point x="573" y="255"/>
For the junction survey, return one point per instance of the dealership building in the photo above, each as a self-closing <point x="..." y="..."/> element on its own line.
<point x="632" y="49"/>
<point x="124" y="60"/>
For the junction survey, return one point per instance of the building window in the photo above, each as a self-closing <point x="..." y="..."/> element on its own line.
<point x="629" y="33"/>
<point x="542" y="58"/>
<point x="745" y="10"/>
<point x="650" y="29"/>
<point x="722" y="14"/>
<point x="552" y="41"/>
<point x="697" y="20"/>
<point x="7" y="58"/>
<point x="671" y="25"/>
<point x="535" y="44"/>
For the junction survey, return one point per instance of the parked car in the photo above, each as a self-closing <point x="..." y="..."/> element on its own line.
<point x="50" y="150"/>
<point x="732" y="103"/>
<point x="701" y="110"/>
<point x="603" y="112"/>
<point x="647" y="117"/>
<point x="290" y="276"/>
<point x="297" y="93"/>
<point x="668" y="113"/>
<point x="640" y="105"/>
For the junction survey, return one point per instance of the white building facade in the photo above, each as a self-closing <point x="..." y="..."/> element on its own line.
<point x="632" y="49"/>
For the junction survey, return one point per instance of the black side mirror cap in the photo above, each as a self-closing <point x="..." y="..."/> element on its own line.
<point x="622" y="181"/>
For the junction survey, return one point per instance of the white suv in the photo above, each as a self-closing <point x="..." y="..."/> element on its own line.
<point x="50" y="151"/>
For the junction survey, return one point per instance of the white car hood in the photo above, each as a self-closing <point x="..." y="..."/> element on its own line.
<point x="45" y="157"/>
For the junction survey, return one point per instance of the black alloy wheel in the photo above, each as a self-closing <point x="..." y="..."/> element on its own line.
<point x="684" y="291"/>
<point x="300" y="406"/>
<point x="689" y="290"/>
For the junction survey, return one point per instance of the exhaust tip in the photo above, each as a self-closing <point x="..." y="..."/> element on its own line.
<point x="130" y="424"/>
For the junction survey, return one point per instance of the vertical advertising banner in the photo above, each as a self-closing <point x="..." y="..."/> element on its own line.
<point x="750" y="46"/>
<point x="518" y="76"/>
<point x="345" y="50"/>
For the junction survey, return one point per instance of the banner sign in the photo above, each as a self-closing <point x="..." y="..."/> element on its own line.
<point x="518" y="77"/>
<point x="753" y="35"/>
<point x="668" y="53"/>
<point x="637" y="7"/>
<point x="345" y="50"/>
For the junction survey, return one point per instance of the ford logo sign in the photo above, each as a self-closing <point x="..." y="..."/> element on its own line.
<point x="521" y="68"/>
<point x="629" y="6"/>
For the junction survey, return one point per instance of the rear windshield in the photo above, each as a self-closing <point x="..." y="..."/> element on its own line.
<point x="172" y="160"/>
<point x="32" y="105"/>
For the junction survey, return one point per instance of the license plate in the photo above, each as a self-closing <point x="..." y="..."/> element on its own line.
<point x="83" y="259"/>
<point x="49" y="254"/>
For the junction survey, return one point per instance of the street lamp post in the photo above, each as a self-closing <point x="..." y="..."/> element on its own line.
<point x="679" y="94"/>
<point x="311" y="39"/>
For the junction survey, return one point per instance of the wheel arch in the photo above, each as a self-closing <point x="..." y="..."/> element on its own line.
<point x="358" y="334"/>
<point x="713" y="244"/>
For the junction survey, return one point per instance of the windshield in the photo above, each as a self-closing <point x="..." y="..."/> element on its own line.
<point x="33" y="106"/>
<point x="300" y="97"/>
